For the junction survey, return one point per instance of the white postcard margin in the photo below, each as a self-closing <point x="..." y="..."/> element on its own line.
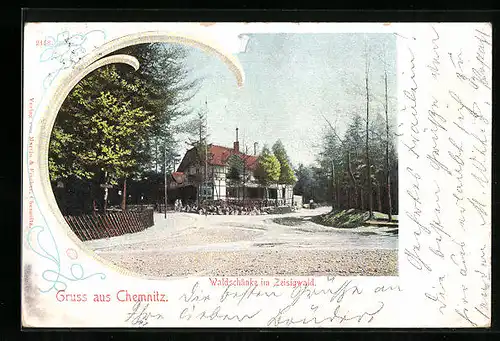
<point x="444" y="147"/>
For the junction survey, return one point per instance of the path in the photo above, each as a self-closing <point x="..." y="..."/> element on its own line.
<point x="287" y="244"/>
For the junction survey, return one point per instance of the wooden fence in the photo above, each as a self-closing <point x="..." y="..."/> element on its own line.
<point x="100" y="225"/>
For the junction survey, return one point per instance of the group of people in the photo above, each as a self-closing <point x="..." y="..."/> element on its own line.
<point x="221" y="207"/>
<point x="178" y="205"/>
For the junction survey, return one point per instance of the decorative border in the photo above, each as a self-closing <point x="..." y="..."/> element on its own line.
<point x="71" y="72"/>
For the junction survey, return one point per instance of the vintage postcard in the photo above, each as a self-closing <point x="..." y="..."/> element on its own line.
<point x="256" y="175"/>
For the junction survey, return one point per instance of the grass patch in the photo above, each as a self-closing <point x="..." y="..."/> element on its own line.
<point x="289" y="221"/>
<point x="352" y="218"/>
<point x="383" y="217"/>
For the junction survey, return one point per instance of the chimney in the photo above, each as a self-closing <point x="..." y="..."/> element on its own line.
<point x="255" y="148"/>
<point x="236" y="143"/>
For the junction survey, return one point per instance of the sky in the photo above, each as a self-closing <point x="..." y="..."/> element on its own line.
<point x="291" y="80"/>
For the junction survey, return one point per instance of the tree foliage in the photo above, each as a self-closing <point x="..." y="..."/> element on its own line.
<point x="236" y="168"/>
<point x="358" y="168"/>
<point x="98" y="131"/>
<point x="199" y="129"/>
<point x="305" y="182"/>
<point x="340" y="174"/>
<point x="117" y="123"/>
<point x="287" y="176"/>
<point x="268" y="168"/>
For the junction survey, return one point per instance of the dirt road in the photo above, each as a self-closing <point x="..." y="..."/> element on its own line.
<point x="288" y="244"/>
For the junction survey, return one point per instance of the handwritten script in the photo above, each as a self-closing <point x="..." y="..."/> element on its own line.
<point x="333" y="303"/>
<point x="446" y="197"/>
<point x="141" y="315"/>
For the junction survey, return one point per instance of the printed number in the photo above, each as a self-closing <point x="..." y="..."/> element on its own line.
<point x="43" y="42"/>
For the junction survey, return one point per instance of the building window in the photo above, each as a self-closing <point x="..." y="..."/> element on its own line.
<point x="207" y="191"/>
<point x="273" y="193"/>
<point x="232" y="192"/>
<point x="253" y="193"/>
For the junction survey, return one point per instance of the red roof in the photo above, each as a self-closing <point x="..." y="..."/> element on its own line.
<point x="219" y="156"/>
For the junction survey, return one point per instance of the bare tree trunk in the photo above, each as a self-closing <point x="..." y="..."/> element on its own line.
<point x="333" y="186"/>
<point x="387" y="164"/>
<point x="379" y="195"/>
<point x="105" y="206"/>
<point x="124" y="197"/>
<point x="338" y="191"/>
<point x="353" y="181"/>
<point x="156" y="155"/>
<point x="156" y="172"/>
<point x="205" y="174"/>
<point x="361" y="197"/>
<point x="277" y="187"/>
<point x="348" y="198"/>
<point x="245" y="172"/>
<point x="243" y="190"/>
<point x="165" y="177"/>
<point x="368" y="168"/>
<point x="201" y="180"/>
